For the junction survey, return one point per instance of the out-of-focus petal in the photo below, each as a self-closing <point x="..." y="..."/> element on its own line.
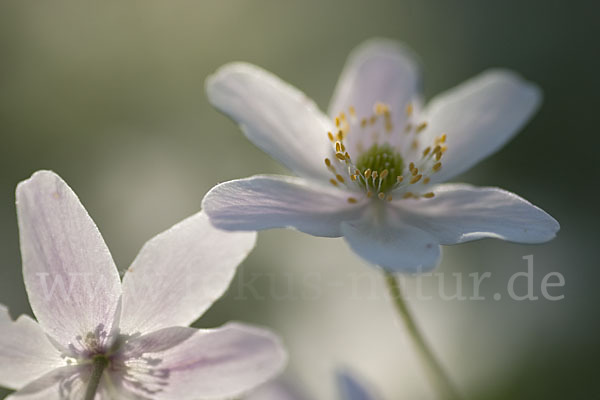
<point x="461" y="213"/>
<point x="184" y="363"/>
<point x="479" y="117"/>
<point x="383" y="240"/>
<point x="351" y="389"/>
<point x="275" y="390"/>
<point x="379" y="70"/>
<point x="25" y="351"/>
<point x="65" y="383"/>
<point x="275" y="116"/>
<point x="70" y="277"/>
<point x="264" y="202"/>
<point x="178" y="274"/>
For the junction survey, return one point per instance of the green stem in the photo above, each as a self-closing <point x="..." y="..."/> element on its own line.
<point x="100" y="363"/>
<point x="438" y="375"/>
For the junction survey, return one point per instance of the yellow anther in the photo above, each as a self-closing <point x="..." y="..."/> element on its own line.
<point x="381" y="196"/>
<point x="437" y="166"/>
<point x="415" y="144"/>
<point x="444" y="148"/>
<point x="353" y="177"/>
<point x="438" y="155"/>
<point x="340" y="178"/>
<point x="415" y="171"/>
<point x="343" y="147"/>
<point x="363" y="122"/>
<point x="372" y="119"/>
<point x="399" y="178"/>
<point x="416" y="179"/>
<point x="443" y="138"/>
<point x="340" y="156"/>
<point x="330" y="135"/>
<point x="338" y="147"/>
<point x="426" y="180"/>
<point x="374" y="174"/>
<point x="429" y="195"/>
<point x="337" y="122"/>
<point x="352" y="111"/>
<point x="384" y="174"/>
<point x="352" y="200"/>
<point x="389" y="198"/>
<point x="347" y="156"/>
<point x="437" y="149"/>
<point x="367" y="172"/>
<point x="343" y="116"/>
<point x="411" y="166"/>
<point x="421" y="127"/>
<point x="408" y="195"/>
<point x="328" y="162"/>
<point x="340" y="135"/>
<point x="369" y="194"/>
<point x="333" y="182"/>
<point x="409" y="109"/>
<point x="426" y="151"/>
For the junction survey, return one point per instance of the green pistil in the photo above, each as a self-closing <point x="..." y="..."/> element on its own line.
<point x="100" y="362"/>
<point x="379" y="158"/>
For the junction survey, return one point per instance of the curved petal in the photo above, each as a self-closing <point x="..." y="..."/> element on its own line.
<point x="460" y="213"/>
<point x="265" y="202"/>
<point x="275" y="116"/>
<point x="180" y="273"/>
<point x="351" y="389"/>
<point x="70" y="277"/>
<point x="65" y="383"/>
<point x="479" y="116"/>
<point x="379" y="70"/>
<point x="382" y="239"/>
<point x="201" y="364"/>
<point x="25" y="351"/>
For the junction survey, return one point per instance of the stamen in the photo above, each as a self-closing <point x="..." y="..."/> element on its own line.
<point x="437" y="166"/>
<point x="416" y="179"/>
<point x="421" y="127"/>
<point x="429" y="195"/>
<point x="352" y="200"/>
<point x="333" y="182"/>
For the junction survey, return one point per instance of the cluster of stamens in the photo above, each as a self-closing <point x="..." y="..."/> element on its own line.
<point x="380" y="169"/>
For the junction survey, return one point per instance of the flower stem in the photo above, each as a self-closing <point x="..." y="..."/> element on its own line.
<point x="444" y="385"/>
<point x="100" y="363"/>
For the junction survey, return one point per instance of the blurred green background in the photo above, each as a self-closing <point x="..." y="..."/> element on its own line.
<point x="110" y="95"/>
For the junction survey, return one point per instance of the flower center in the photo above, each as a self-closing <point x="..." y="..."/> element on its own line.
<point x="371" y="154"/>
<point x="384" y="163"/>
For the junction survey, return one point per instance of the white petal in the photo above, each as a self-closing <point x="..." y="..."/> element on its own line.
<point x="351" y="389"/>
<point x="275" y="116"/>
<point x="63" y="383"/>
<point x="25" y="351"/>
<point x="71" y="279"/>
<point x="378" y="70"/>
<point x="479" y="116"/>
<point x="461" y="213"/>
<point x="203" y="364"/>
<point x="265" y="202"/>
<point x="385" y="241"/>
<point x="178" y="274"/>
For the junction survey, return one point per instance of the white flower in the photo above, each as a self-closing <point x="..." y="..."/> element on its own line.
<point x="134" y="333"/>
<point x="371" y="171"/>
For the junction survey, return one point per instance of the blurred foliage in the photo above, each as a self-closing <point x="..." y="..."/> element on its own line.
<point x="110" y="96"/>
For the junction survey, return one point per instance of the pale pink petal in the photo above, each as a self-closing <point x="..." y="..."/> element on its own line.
<point x="180" y="273"/>
<point x="25" y="351"/>
<point x="184" y="363"/>
<point x="275" y="116"/>
<point x="379" y="70"/>
<point x="65" y="383"/>
<point x="479" y="117"/>
<point x="70" y="277"/>
<point x="382" y="239"/>
<point x="460" y="213"/>
<point x="265" y="202"/>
